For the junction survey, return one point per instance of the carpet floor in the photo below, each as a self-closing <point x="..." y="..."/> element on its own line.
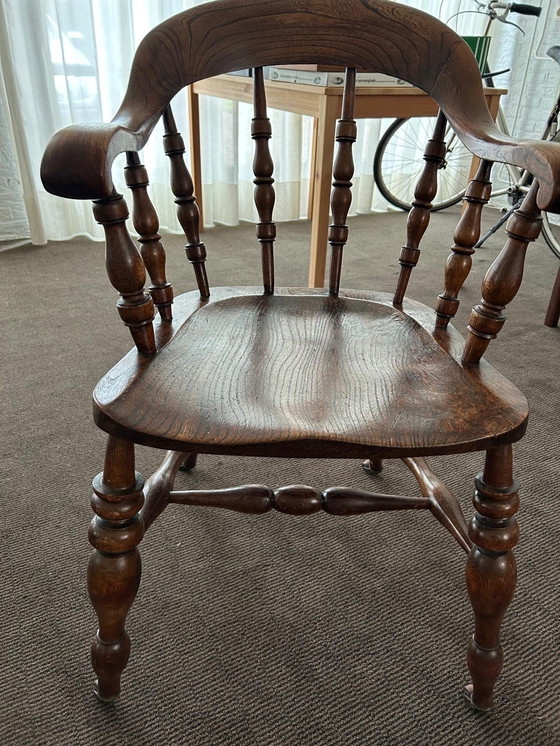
<point x="270" y="630"/>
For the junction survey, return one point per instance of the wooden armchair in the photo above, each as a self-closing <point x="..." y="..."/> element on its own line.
<point x="266" y="371"/>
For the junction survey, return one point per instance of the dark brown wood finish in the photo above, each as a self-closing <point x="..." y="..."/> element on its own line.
<point x="296" y="372"/>
<point x="146" y="223"/>
<point x="263" y="168"/>
<point x="467" y="233"/>
<point x="187" y="210"/>
<point x="229" y="35"/>
<point x="373" y="466"/>
<point x="441" y="501"/>
<point x="419" y="215"/>
<point x="114" y="567"/>
<point x="323" y="355"/>
<point x="297" y="500"/>
<point x="343" y="171"/>
<point x="491" y="570"/>
<point x="126" y="271"/>
<point x="553" y="310"/>
<point x="503" y="279"/>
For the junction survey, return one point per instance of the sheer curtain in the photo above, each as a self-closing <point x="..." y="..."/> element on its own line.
<point x="67" y="61"/>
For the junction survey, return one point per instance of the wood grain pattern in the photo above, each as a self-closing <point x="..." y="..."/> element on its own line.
<point x="301" y="373"/>
<point x="227" y="35"/>
<point x="338" y="366"/>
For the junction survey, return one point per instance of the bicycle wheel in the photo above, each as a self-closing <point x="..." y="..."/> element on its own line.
<point x="397" y="168"/>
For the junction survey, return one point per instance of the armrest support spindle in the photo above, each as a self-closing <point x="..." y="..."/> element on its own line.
<point x="126" y="271"/>
<point x="503" y="278"/>
<point x="146" y="224"/>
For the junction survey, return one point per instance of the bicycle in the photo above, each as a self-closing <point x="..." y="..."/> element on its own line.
<point x="396" y="179"/>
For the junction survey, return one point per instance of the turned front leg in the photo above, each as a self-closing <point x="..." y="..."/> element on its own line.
<point x="114" y="566"/>
<point x="491" y="571"/>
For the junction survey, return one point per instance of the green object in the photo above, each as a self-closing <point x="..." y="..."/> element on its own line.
<point x="479" y="46"/>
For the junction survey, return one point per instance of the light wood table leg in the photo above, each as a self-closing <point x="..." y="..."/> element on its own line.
<point x="312" y="169"/>
<point x="323" y="158"/>
<point x="194" y="141"/>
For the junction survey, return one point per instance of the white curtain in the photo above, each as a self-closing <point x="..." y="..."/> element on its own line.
<point x="67" y="61"/>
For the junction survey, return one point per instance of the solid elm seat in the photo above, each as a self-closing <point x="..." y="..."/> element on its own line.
<point x="300" y="373"/>
<point x="209" y="387"/>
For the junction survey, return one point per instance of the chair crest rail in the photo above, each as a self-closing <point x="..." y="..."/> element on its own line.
<point x="365" y="34"/>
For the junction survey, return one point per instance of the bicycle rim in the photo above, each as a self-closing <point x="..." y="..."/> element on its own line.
<point x="551" y="234"/>
<point x="398" y="164"/>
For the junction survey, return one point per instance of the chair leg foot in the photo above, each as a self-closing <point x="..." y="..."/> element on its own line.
<point x="190" y="462"/>
<point x="467" y="696"/>
<point x="98" y="695"/>
<point x="114" y="567"/>
<point x="491" y="571"/>
<point x="373" y="466"/>
<point x="109" y="661"/>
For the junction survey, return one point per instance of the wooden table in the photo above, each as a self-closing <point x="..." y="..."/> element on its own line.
<point x="324" y="104"/>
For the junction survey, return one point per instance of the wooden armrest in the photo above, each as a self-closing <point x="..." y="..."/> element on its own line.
<point x="78" y="159"/>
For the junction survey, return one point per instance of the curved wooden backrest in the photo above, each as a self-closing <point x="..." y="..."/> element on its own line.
<point x="218" y="37"/>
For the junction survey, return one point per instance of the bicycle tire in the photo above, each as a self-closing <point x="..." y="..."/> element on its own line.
<point x="391" y="158"/>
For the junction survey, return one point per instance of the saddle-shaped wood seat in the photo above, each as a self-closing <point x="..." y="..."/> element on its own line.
<point x="209" y="387"/>
<point x="301" y="373"/>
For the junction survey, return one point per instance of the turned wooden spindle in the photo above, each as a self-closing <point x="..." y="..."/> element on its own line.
<point x="146" y="224"/>
<point x="491" y="571"/>
<point x="297" y="499"/>
<point x="126" y="271"/>
<point x="185" y="199"/>
<point x="114" y="566"/>
<point x="263" y="169"/>
<point x="419" y="215"/>
<point x="503" y="278"/>
<point x="467" y="233"/>
<point x="343" y="170"/>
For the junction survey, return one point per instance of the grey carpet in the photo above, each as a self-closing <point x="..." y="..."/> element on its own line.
<point x="265" y="630"/>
